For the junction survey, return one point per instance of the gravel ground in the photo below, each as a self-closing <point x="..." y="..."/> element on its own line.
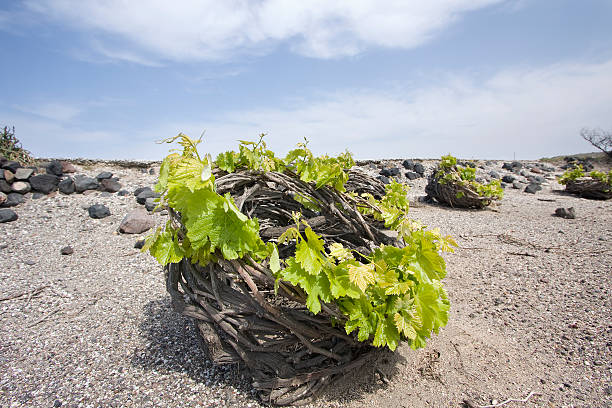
<point x="530" y="293"/>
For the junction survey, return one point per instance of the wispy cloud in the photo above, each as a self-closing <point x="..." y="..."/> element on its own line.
<point x="55" y="111"/>
<point x="213" y="30"/>
<point x="532" y="112"/>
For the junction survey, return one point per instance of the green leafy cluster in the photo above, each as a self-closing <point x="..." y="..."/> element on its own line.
<point x="450" y="172"/>
<point x="386" y="296"/>
<point x="10" y="147"/>
<point x="578" y="172"/>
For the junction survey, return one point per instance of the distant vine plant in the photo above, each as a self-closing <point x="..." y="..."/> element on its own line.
<point x="387" y="295"/>
<point x="578" y="172"/>
<point x="450" y="171"/>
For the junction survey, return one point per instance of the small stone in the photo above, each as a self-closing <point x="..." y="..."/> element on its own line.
<point x="67" y="167"/>
<point x="104" y="175"/>
<point x="44" y="183"/>
<point x="23" y="173"/>
<point x="150" y="204"/>
<point x="110" y="185"/>
<point x="139" y="244"/>
<point x="67" y="186"/>
<point x="568" y="213"/>
<point x="98" y="211"/>
<point x="2" y="198"/>
<point x="105" y="194"/>
<point x="508" y="179"/>
<point x="494" y="174"/>
<point x="533" y="188"/>
<point x="29" y="262"/>
<point x="517" y="185"/>
<point x="21" y="187"/>
<point x="57" y="404"/>
<point x="55" y="168"/>
<point x="140" y="190"/>
<point x="9" y="176"/>
<point x="7" y="215"/>
<point x="148" y="193"/>
<point x="67" y="250"/>
<point x="13" y="199"/>
<point x="37" y="196"/>
<point x="536" y="170"/>
<point x="151" y="171"/>
<point x="136" y="222"/>
<point x="123" y="193"/>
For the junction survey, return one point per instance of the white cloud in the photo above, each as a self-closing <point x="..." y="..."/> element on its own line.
<point x="533" y="112"/>
<point x="208" y="29"/>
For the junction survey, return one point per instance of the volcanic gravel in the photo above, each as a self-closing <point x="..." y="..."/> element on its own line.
<point x="530" y="311"/>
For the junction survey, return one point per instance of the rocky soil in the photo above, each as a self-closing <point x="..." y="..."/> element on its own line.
<point x="530" y="292"/>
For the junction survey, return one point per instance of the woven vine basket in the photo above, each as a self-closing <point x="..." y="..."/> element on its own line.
<point x="589" y="187"/>
<point x="289" y="353"/>
<point x="455" y="194"/>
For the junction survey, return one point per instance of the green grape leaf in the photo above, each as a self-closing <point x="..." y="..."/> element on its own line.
<point x="274" y="261"/>
<point x="309" y="252"/>
<point x="361" y="275"/>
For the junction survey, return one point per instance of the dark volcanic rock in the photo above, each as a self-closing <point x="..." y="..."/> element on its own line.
<point x="5" y="187"/>
<point x="104" y="175"/>
<point x="408" y="164"/>
<point x="385" y="180"/>
<point x="98" y="211"/>
<point x="508" y="179"/>
<point x="123" y="193"/>
<point x="390" y="172"/>
<point x="82" y="184"/>
<point x="568" y="213"/>
<point x="150" y="204"/>
<point x="44" y="183"/>
<point x="494" y="174"/>
<point x="55" y="168"/>
<point x="13" y="199"/>
<point x="419" y="168"/>
<point x="139" y="244"/>
<point x="411" y="175"/>
<point x="7" y="215"/>
<point x="136" y="221"/>
<point x="36" y="196"/>
<point x="110" y="185"/>
<point x="140" y="190"/>
<point x="533" y="188"/>
<point x="11" y="165"/>
<point x="66" y="186"/>
<point x="148" y="193"/>
<point x="67" y="250"/>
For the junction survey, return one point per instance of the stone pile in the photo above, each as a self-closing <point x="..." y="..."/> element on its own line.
<point x="16" y="181"/>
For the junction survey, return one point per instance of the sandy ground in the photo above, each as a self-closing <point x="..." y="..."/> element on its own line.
<point x="531" y="312"/>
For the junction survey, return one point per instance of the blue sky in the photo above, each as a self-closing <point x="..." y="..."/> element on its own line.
<point x="383" y="79"/>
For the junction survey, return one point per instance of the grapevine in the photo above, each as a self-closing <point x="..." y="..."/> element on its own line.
<point x="384" y="294"/>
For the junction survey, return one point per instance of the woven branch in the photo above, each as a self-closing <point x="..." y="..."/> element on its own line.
<point x="290" y="353"/>
<point x="455" y="194"/>
<point x="588" y="187"/>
